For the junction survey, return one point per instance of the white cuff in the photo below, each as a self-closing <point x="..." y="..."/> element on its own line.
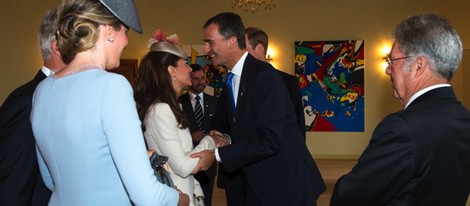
<point x="217" y="157"/>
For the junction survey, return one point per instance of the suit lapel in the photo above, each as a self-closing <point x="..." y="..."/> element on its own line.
<point x="245" y="80"/>
<point x="207" y="106"/>
<point x="39" y="76"/>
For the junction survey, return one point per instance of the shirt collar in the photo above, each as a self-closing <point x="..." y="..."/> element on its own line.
<point x="47" y="71"/>
<point x="421" y="92"/>
<point x="192" y="96"/>
<point x="238" y="68"/>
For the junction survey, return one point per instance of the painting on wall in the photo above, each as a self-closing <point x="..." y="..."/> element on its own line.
<point x="331" y="79"/>
<point x="215" y="76"/>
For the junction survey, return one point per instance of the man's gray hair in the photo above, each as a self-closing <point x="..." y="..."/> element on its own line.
<point x="47" y="30"/>
<point x="432" y="36"/>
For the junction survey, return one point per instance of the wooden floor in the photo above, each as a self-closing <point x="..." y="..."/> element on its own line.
<point x="331" y="170"/>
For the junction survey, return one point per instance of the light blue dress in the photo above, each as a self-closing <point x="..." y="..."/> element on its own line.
<point x="91" y="149"/>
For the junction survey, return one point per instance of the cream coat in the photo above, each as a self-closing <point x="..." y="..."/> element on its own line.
<point x="163" y="135"/>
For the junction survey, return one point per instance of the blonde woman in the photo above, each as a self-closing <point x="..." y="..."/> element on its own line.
<point x="90" y="145"/>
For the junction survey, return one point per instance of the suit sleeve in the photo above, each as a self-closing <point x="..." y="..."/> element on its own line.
<point x="296" y="97"/>
<point x="382" y="170"/>
<point x="263" y="123"/>
<point x="18" y="164"/>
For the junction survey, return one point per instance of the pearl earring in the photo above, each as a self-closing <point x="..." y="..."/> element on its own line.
<point x="110" y="39"/>
<point x="174" y="77"/>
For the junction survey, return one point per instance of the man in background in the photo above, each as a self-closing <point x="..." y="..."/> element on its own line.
<point x="421" y="154"/>
<point x="257" y="46"/>
<point x="199" y="108"/>
<point x="20" y="180"/>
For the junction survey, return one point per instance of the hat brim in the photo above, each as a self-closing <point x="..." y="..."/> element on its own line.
<point x="164" y="46"/>
<point x="125" y="11"/>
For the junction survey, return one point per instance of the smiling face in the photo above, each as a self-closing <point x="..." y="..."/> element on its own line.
<point x="181" y="75"/>
<point x="216" y="46"/>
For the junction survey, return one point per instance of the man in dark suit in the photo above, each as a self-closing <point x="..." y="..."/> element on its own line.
<point x="20" y="181"/>
<point x="257" y="45"/>
<point x="421" y="154"/>
<point x="208" y="104"/>
<point x="267" y="160"/>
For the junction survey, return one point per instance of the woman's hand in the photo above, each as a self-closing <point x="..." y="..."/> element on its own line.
<point x="150" y="152"/>
<point x="219" y="138"/>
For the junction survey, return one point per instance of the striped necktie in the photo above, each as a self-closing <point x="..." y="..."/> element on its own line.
<point x="199" y="114"/>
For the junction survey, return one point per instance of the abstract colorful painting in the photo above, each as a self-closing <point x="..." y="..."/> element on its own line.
<point x="331" y="79"/>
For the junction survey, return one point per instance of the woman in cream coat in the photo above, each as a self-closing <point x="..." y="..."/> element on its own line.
<point x="163" y="73"/>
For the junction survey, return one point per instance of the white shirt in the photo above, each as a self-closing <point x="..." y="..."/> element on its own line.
<point x="192" y="97"/>
<point x="421" y="92"/>
<point x="237" y="73"/>
<point x="47" y="71"/>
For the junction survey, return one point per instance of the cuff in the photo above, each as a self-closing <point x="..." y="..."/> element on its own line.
<point x="217" y="157"/>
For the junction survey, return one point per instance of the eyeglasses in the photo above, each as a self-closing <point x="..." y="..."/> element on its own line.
<point x="390" y="60"/>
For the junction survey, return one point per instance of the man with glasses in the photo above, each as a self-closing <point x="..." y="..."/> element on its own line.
<point x="421" y="154"/>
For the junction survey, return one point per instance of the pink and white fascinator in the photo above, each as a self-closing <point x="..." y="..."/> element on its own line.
<point x="163" y="43"/>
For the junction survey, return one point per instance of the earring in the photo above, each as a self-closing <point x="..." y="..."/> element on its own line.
<point x="110" y="39"/>
<point x="174" y="77"/>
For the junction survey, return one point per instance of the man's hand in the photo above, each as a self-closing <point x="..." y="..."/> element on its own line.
<point x="206" y="159"/>
<point x="197" y="136"/>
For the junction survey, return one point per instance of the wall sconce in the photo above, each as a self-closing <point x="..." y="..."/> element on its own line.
<point x="385" y="53"/>
<point x="382" y="50"/>
<point x="269" y="58"/>
<point x="269" y="54"/>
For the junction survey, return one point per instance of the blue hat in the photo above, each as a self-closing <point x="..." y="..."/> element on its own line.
<point x="125" y="11"/>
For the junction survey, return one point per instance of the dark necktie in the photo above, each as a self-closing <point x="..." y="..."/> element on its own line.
<point x="199" y="114"/>
<point x="230" y="90"/>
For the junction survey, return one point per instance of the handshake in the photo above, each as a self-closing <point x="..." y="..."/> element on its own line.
<point x="207" y="157"/>
<point x="219" y="138"/>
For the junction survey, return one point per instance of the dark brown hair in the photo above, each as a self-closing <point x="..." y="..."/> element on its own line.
<point x="154" y="85"/>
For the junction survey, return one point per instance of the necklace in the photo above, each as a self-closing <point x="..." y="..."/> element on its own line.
<point x="68" y="72"/>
